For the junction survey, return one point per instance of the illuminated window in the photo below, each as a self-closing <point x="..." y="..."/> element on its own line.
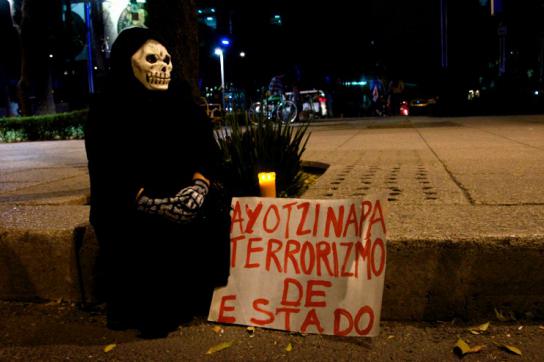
<point x="207" y="17"/>
<point x="276" y="20"/>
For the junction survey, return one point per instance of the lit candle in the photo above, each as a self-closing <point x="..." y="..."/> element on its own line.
<point x="267" y="183"/>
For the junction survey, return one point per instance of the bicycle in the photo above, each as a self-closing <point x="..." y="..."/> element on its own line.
<point x="274" y="108"/>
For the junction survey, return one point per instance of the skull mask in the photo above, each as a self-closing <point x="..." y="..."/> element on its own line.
<point x="152" y="65"/>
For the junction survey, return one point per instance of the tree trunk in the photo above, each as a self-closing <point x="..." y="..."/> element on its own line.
<point x="176" y="21"/>
<point x="10" y="59"/>
<point x="37" y="25"/>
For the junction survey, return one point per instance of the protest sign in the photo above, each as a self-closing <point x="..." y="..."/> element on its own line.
<point x="312" y="266"/>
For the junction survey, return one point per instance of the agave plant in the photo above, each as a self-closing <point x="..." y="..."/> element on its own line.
<point x="259" y="145"/>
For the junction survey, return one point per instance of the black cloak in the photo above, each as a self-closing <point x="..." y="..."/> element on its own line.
<point x="157" y="273"/>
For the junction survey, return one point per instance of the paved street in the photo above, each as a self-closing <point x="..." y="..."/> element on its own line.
<point x="465" y="235"/>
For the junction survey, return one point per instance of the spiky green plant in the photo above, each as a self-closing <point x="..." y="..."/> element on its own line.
<point x="260" y="145"/>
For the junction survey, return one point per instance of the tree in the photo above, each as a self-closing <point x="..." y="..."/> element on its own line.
<point x="176" y="21"/>
<point x="39" y="20"/>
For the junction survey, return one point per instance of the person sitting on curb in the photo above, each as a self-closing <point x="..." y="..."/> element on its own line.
<point x="160" y="215"/>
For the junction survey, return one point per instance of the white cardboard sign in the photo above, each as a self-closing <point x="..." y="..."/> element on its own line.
<point x="312" y="266"/>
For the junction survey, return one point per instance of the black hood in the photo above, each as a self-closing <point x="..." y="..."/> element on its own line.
<point x="121" y="80"/>
<point x="122" y="50"/>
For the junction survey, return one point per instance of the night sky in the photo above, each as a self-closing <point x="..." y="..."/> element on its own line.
<point x="343" y="38"/>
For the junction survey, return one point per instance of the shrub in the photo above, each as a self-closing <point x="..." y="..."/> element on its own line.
<point x="58" y="126"/>
<point x="261" y="145"/>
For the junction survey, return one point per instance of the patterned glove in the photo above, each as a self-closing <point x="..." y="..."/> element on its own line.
<point x="172" y="208"/>
<point x="193" y="196"/>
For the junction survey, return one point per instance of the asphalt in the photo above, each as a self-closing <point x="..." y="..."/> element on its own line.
<point x="465" y="212"/>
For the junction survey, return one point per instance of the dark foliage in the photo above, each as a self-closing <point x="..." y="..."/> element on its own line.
<point x="48" y="127"/>
<point x="259" y="146"/>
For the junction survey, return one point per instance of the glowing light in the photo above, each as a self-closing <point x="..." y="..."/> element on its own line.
<point x="225" y="41"/>
<point x="218" y="51"/>
<point x="323" y="104"/>
<point x="472" y="94"/>
<point x="267" y="184"/>
<point x="275" y="19"/>
<point x="536" y="93"/>
<point x="404" y="108"/>
<point x="353" y="84"/>
<point x="242" y="54"/>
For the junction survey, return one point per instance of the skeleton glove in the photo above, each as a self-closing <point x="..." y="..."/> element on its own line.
<point x="172" y="208"/>
<point x="193" y="196"/>
<point x="180" y="209"/>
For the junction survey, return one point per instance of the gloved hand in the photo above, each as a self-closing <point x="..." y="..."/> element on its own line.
<point x="180" y="209"/>
<point x="172" y="208"/>
<point x="193" y="196"/>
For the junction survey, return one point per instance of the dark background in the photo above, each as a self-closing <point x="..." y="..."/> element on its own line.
<point x="354" y="40"/>
<point x="319" y="44"/>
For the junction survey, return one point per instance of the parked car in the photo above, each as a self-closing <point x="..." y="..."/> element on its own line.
<point x="422" y="105"/>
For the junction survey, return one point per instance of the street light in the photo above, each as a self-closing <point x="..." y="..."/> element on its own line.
<point x="219" y="52"/>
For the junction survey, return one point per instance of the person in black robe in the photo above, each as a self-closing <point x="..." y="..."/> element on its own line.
<point x="158" y="209"/>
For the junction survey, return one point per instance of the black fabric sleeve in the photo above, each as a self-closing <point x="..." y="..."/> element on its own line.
<point x="111" y="163"/>
<point x="209" y="159"/>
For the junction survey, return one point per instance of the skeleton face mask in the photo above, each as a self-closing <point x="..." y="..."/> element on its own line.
<point x="152" y="65"/>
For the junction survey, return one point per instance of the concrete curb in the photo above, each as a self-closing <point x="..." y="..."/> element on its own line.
<point x="38" y="249"/>
<point x="444" y="279"/>
<point x="37" y="265"/>
<point x="425" y="279"/>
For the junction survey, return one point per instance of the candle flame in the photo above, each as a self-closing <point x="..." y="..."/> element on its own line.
<point x="267" y="176"/>
<point x="267" y="184"/>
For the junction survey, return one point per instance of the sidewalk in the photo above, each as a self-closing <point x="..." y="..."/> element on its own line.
<point x="465" y="227"/>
